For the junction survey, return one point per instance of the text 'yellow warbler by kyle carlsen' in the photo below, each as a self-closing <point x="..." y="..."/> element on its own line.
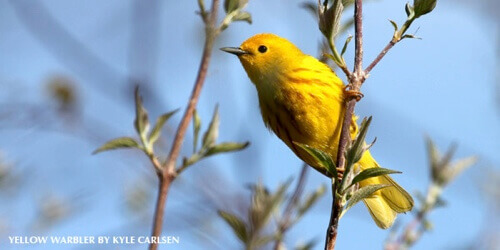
<point x="302" y="101"/>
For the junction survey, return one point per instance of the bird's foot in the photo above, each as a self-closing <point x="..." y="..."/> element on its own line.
<point x="340" y="173"/>
<point x="349" y="93"/>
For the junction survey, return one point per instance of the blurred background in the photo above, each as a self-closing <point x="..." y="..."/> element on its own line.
<point x="67" y="73"/>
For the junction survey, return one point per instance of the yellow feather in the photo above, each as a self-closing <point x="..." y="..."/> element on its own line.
<point x="301" y="100"/>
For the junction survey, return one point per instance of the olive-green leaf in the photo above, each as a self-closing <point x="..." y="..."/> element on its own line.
<point x="394" y="24"/>
<point x="370" y="173"/>
<point x="363" y="193"/>
<point x="121" y="142"/>
<point x="323" y="158"/>
<point x="243" y="16"/>
<point x="226" y="147"/>
<point x="355" y="152"/>
<point x="422" y="7"/>
<point x="236" y="224"/>
<point x="409" y="10"/>
<point x="141" y="122"/>
<point x="196" y="129"/>
<point x="231" y="5"/>
<point x="212" y="132"/>
<point x="155" y="133"/>
<point x="347" y="41"/>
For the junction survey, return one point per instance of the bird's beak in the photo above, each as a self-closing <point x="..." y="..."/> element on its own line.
<point x="235" y="51"/>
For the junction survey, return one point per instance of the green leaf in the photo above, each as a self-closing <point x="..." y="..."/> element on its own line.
<point x="141" y="122"/>
<point x="422" y="7"/>
<point x="363" y="193"/>
<point x="236" y="224"/>
<point x="370" y="173"/>
<point x="196" y="129"/>
<point x="310" y="200"/>
<point x="155" y="133"/>
<point x="357" y="149"/>
<point x="264" y="203"/>
<point x="226" y="147"/>
<point x="329" y="22"/>
<point x="231" y="5"/>
<point x="212" y="132"/>
<point x="243" y="16"/>
<point x="394" y="24"/>
<point x="409" y="10"/>
<point x="121" y="142"/>
<point x="323" y="158"/>
<point x="349" y="38"/>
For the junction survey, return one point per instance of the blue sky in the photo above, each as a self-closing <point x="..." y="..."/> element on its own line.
<point x="443" y="86"/>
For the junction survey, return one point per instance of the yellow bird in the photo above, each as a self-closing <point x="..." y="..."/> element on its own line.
<point x="302" y="101"/>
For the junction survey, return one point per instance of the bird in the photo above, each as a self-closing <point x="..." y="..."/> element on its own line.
<point x="302" y="101"/>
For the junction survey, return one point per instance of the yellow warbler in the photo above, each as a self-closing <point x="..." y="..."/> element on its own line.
<point x="302" y="101"/>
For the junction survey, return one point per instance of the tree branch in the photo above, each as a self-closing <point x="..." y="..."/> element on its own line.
<point x="168" y="173"/>
<point x="380" y="56"/>
<point x="355" y="81"/>
<point x="284" y="224"/>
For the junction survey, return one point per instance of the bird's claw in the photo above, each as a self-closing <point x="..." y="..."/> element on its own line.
<point x="349" y="93"/>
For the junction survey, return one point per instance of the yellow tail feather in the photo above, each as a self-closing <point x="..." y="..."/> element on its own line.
<point x="385" y="203"/>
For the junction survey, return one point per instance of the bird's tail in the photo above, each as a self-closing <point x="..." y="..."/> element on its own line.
<point x="387" y="202"/>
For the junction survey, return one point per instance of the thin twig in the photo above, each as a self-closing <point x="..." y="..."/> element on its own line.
<point x="355" y="82"/>
<point x="284" y="224"/>
<point x="168" y="174"/>
<point x="380" y="56"/>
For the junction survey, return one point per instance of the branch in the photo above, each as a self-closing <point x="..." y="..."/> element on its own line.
<point x="285" y="222"/>
<point x="380" y="56"/>
<point x="355" y="81"/>
<point x="167" y="174"/>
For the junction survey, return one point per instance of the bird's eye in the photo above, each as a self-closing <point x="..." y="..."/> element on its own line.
<point x="262" y="49"/>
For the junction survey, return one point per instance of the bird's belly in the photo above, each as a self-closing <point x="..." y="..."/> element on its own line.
<point x="311" y="118"/>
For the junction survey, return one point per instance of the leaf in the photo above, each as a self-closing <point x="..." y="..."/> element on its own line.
<point x="434" y="158"/>
<point x="264" y="203"/>
<point x="323" y="158"/>
<point x="155" y="133"/>
<point x="370" y="173"/>
<point x="141" y="122"/>
<point x="231" y="5"/>
<point x="349" y="38"/>
<point x="121" y="142"/>
<point x="422" y="7"/>
<point x="355" y="152"/>
<point x="196" y="129"/>
<point x="394" y="24"/>
<point x="310" y="200"/>
<point x="226" y="147"/>
<point x="329" y="22"/>
<point x="409" y="10"/>
<point x="458" y="167"/>
<point x="243" y="16"/>
<point x="212" y="132"/>
<point x="363" y="193"/>
<point x="236" y="224"/>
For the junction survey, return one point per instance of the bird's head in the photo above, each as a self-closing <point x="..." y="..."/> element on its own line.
<point x="265" y="56"/>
